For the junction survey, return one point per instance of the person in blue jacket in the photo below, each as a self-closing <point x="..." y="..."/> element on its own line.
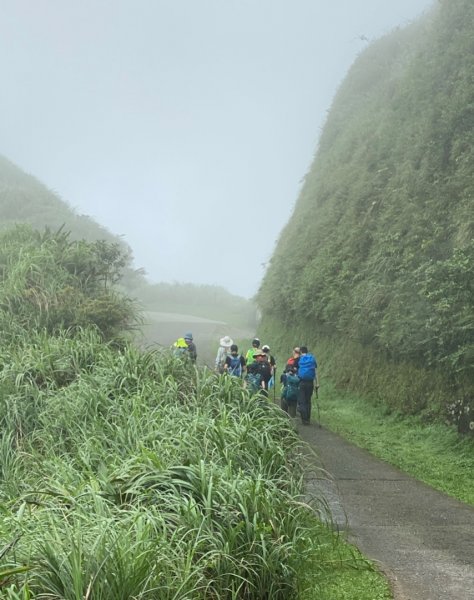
<point x="192" y="351"/>
<point x="307" y="374"/>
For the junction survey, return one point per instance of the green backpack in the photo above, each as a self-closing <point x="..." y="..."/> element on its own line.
<point x="254" y="382"/>
<point x="290" y="391"/>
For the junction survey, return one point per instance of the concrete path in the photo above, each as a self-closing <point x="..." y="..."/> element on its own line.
<point x="422" y="539"/>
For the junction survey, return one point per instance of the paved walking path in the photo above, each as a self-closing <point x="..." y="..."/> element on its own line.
<point x="423" y="539"/>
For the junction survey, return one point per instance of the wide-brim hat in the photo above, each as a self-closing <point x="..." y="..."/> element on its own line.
<point x="226" y="341"/>
<point x="259" y="353"/>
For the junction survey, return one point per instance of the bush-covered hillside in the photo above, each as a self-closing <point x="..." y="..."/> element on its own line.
<point x="50" y="283"/>
<point x="377" y="259"/>
<point x="24" y="199"/>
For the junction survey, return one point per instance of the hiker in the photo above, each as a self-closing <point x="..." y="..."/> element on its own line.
<point x="223" y="351"/>
<point x="293" y="360"/>
<point x="270" y="359"/>
<point x="180" y="348"/>
<point x="289" y="391"/>
<point x="250" y="351"/>
<point x="307" y="374"/>
<point x="192" y="350"/>
<point x="272" y="362"/>
<point x="234" y="362"/>
<point x="259" y="373"/>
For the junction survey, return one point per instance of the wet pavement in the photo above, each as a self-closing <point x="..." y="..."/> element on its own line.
<point x="421" y="538"/>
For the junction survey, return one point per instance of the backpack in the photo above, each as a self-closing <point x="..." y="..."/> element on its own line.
<point x="307" y="367"/>
<point x="254" y="382"/>
<point x="290" y="391"/>
<point x="235" y="367"/>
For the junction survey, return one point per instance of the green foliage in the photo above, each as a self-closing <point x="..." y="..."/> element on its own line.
<point x="132" y="477"/>
<point x="52" y="283"/>
<point x="379" y="250"/>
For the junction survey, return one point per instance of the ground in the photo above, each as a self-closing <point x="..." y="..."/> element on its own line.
<point x="422" y="539"/>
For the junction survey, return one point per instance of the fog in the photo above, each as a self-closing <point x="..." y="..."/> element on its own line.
<point x="184" y="125"/>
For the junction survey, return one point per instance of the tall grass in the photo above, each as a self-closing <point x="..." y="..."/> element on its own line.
<point x="130" y="475"/>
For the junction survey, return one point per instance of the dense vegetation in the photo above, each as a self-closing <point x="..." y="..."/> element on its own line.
<point x="376" y="265"/>
<point x="128" y="474"/>
<point x="50" y="284"/>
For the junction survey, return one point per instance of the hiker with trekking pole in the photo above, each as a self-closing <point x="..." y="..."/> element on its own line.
<point x="258" y="374"/>
<point x="307" y="373"/>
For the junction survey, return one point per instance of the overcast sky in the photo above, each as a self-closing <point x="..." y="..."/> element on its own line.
<point x="184" y="125"/>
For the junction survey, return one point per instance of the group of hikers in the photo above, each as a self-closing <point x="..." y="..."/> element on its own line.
<point x="257" y="369"/>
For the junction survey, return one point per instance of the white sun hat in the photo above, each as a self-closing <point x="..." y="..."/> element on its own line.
<point x="226" y="341"/>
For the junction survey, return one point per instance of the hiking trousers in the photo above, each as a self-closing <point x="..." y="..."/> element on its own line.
<point x="305" y="391"/>
<point x="289" y="406"/>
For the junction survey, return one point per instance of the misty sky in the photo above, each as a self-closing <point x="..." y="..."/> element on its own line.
<point x="185" y="125"/>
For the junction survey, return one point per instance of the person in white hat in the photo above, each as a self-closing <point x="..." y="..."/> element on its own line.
<point x="223" y="351"/>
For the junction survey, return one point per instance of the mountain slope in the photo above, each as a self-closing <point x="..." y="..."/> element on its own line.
<point x="24" y="199"/>
<point x="378" y="255"/>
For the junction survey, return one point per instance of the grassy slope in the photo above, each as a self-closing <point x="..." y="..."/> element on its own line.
<point x="24" y="199"/>
<point x="378" y="255"/>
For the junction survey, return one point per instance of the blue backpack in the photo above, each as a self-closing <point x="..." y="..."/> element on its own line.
<point x="307" y="367"/>
<point x="235" y="367"/>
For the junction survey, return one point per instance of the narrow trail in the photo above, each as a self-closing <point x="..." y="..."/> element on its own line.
<point x="421" y="538"/>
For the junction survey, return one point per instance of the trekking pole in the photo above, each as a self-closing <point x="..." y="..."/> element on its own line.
<point x="274" y="385"/>
<point x="318" y="409"/>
